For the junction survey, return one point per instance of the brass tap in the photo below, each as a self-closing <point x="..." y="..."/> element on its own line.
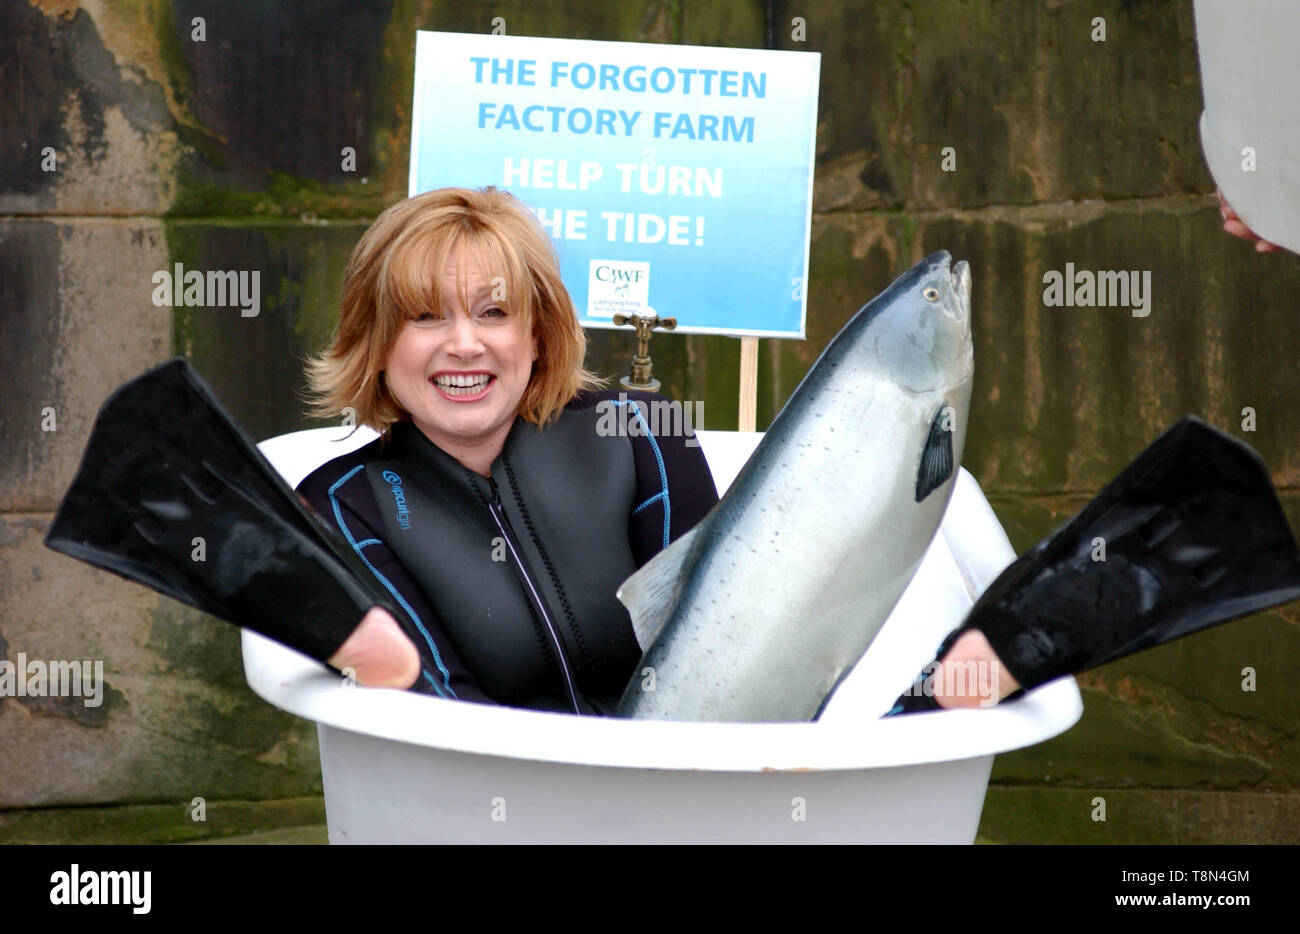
<point x="639" y="376"/>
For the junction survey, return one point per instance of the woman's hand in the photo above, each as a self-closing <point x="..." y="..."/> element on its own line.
<point x="971" y="675"/>
<point x="379" y="653"/>
<point x="1235" y="226"/>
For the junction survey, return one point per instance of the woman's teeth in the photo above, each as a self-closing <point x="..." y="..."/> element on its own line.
<point x="462" y="384"/>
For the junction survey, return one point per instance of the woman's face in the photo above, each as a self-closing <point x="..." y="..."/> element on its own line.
<point x="462" y="375"/>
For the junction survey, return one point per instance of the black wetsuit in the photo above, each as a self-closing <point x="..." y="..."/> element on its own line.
<point x="507" y="583"/>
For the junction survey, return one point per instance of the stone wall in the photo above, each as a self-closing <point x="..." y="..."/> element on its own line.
<point x="223" y="154"/>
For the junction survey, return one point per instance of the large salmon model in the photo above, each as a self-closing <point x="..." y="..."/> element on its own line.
<point x="758" y="611"/>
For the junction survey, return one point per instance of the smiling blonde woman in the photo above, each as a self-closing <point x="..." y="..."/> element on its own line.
<point x="493" y="508"/>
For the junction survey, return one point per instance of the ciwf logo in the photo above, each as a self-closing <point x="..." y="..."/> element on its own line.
<point x="617" y="287"/>
<point x="621" y="275"/>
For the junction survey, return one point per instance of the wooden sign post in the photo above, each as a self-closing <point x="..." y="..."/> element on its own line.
<point x="748" y="384"/>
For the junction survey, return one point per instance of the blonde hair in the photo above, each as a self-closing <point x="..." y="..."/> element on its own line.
<point x="394" y="275"/>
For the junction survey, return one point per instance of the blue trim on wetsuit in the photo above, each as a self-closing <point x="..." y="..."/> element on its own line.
<point x="338" y="517"/>
<point x="663" y="473"/>
<point x="652" y="499"/>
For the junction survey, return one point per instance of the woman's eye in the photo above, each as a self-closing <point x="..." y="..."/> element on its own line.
<point x="494" y="312"/>
<point x="426" y="316"/>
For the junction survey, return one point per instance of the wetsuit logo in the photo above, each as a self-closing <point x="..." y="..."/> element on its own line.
<point x="399" y="498"/>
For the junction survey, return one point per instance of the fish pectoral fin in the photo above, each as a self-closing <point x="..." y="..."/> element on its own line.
<point x="936" y="458"/>
<point x="652" y="593"/>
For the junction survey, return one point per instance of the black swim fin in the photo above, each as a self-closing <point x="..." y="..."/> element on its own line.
<point x="173" y="495"/>
<point x="1189" y="535"/>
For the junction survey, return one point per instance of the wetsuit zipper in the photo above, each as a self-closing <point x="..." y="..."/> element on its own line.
<point x="498" y="514"/>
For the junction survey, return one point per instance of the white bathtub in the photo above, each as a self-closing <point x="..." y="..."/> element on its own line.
<point x="401" y="768"/>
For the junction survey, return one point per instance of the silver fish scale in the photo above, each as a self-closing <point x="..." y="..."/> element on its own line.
<point x="794" y="572"/>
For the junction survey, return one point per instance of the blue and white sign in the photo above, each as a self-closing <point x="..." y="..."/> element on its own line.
<point x="674" y="177"/>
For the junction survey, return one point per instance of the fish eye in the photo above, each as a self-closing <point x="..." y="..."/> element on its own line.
<point x="931" y="294"/>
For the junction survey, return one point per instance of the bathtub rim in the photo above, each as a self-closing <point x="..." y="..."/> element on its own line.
<point x="301" y="686"/>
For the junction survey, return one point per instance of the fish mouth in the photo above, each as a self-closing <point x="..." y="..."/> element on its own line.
<point x="960" y="281"/>
<point x="960" y="274"/>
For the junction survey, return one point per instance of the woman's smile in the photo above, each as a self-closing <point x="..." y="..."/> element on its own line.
<point x="468" y="386"/>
